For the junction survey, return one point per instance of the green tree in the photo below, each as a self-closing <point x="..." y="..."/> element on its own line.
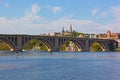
<point x="96" y="47"/>
<point x="74" y="34"/>
<point x="66" y="44"/>
<point x="4" y="46"/>
<point x="63" y="47"/>
<point x="32" y="43"/>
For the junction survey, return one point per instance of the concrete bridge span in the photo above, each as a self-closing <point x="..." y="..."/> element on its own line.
<point x="17" y="42"/>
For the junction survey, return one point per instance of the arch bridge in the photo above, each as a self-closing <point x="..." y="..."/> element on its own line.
<point x="17" y="42"/>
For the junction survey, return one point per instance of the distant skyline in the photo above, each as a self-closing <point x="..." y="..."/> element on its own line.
<point x="46" y="16"/>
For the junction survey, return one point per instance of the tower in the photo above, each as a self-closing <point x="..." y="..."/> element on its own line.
<point x="108" y="34"/>
<point x="71" y="29"/>
<point x="63" y="30"/>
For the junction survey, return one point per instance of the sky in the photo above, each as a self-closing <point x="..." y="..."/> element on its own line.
<point x="47" y="16"/>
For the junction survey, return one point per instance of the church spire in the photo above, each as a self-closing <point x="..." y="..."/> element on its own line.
<point x="63" y="30"/>
<point x="71" y="29"/>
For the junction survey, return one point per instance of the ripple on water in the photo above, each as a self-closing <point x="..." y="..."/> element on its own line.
<point x="8" y="67"/>
<point x="61" y="66"/>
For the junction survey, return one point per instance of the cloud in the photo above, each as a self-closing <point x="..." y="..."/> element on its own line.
<point x="22" y="24"/>
<point x="103" y="15"/>
<point x="56" y="9"/>
<point x="99" y="14"/>
<point x="115" y="22"/>
<point x="5" y="4"/>
<point x="32" y="23"/>
<point x="94" y="12"/>
<point x="116" y="12"/>
<point x="84" y="26"/>
<point x="34" y="10"/>
<point x="31" y="15"/>
<point x="71" y="15"/>
<point x="25" y="26"/>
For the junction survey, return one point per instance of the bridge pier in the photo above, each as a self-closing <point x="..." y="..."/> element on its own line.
<point x="85" y="50"/>
<point x="55" y="50"/>
<point x="17" y="50"/>
<point x="106" y="50"/>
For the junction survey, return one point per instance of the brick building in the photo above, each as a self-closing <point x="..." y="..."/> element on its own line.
<point x="110" y="35"/>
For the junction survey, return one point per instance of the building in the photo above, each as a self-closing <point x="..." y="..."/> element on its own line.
<point x="67" y="32"/>
<point x="109" y="35"/>
<point x="55" y="34"/>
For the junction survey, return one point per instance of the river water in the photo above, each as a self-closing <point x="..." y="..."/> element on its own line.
<point x="35" y="65"/>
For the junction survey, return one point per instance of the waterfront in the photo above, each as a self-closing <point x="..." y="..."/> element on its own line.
<point x="60" y="66"/>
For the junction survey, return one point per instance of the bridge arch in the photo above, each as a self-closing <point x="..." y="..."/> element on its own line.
<point x="9" y="43"/>
<point x="78" y="45"/>
<point x="44" y="41"/>
<point x="101" y="44"/>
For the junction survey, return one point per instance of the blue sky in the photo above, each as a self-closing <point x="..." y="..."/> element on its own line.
<point x="47" y="16"/>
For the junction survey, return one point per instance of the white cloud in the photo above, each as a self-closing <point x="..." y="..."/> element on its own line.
<point x="94" y="12"/>
<point x="22" y="24"/>
<point x="116" y="12"/>
<point x="115" y="22"/>
<point x="71" y="15"/>
<point x="31" y="15"/>
<point x="114" y="17"/>
<point x="99" y="14"/>
<point x="103" y="15"/>
<point x="5" y="4"/>
<point x="56" y="9"/>
<point x="33" y="10"/>
<point x="84" y="26"/>
<point x="27" y="24"/>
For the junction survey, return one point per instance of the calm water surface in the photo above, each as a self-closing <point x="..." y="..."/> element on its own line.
<point x="60" y="66"/>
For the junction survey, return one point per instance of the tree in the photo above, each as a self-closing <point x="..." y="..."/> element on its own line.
<point x="4" y="46"/>
<point x="35" y="43"/>
<point x="96" y="47"/>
